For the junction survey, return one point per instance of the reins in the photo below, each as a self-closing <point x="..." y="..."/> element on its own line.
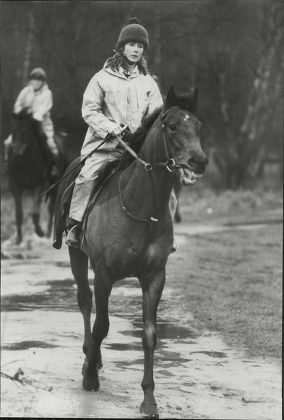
<point x="169" y="164"/>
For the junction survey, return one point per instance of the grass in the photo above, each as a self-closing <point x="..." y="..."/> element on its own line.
<point x="232" y="284"/>
<point x="231" y="281"/>
<point x="207" y="206"/>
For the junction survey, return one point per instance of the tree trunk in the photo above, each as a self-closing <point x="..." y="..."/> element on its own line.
<point x="265" y="95"/>
<point x="29" y="44"/>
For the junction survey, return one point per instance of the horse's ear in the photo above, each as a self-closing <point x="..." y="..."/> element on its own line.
<point x="171" y="95"/>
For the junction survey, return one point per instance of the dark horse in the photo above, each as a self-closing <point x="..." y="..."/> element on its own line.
<point x="128" y="232"/>
<point x="29" y="168"/>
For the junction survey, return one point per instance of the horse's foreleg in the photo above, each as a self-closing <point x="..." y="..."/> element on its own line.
<point x="51" y="206"/>
<point x="79" y="267"/>
<point x="152" y="287"/>
<point x="36" y="212"/>
<point x="103" y="286"/>
<point x="18" y="196"/>
<point x="177" y="190"/>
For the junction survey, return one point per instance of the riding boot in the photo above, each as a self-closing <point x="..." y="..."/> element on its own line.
<point x="73" y="235"/>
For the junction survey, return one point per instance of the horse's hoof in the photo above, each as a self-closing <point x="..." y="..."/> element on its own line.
<point x="99" y="364"/>
<point x="85" y="367"/>
<point x="39" y="232"/>
<point x="177" y="218"/>
<point x="90" y="384"/>
<point x="18" y="240"/>
<point x="149" y="411"/>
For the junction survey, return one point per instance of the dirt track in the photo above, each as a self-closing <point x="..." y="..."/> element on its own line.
<point x="197" y="375"/>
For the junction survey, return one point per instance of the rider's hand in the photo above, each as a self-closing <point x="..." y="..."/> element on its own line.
<point x="28" y="110"/>
<point x="117" y="130"/>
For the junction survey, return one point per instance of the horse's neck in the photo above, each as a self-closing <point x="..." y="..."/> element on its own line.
<point x="147" y="188"/>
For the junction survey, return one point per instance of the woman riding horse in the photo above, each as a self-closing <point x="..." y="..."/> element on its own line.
<point x="36" y="100"/>
<point x="129" y="230"/>
<point x="122" y="93"/>
<point x="31" y="153"/>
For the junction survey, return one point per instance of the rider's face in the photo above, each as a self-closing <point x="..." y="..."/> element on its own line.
<point x="36" y="84"/>
<point x="133" y="51"/>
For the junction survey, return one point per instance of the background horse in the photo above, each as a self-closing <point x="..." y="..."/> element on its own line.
<point x="175" y="196"/>
<point x="29" y="168"/>
<point x="129" y="230"/>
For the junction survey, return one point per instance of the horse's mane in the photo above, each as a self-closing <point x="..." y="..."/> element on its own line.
<point x="137" y="138"/>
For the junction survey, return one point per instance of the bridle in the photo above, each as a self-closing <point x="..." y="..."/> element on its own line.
<point x="169" y="164"/>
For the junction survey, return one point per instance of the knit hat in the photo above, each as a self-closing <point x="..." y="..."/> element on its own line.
<point x="38" y="74"/>
<point x="134" y="31"/>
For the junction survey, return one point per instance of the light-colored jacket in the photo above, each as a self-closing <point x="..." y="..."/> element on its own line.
<point x="111" y="98"/>
<point x="39" y="102"/>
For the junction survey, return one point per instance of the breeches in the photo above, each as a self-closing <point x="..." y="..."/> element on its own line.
<point x="85" y="181"/>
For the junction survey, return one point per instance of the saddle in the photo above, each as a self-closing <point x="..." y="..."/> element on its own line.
<point x="65" y="191"/>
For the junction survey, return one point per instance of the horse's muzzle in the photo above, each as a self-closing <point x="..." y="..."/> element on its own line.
<point x="198" y="164"/>
<point x="194" y="169"/>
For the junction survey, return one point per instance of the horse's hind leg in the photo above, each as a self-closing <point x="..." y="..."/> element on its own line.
<point x="36" y="212"/>
<point x="79" y="267"/>
<point x="152" y="287"/>
<point x="103" y="286"/>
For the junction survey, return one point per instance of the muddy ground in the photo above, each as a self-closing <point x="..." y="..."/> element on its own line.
<point x="202" y="369"/>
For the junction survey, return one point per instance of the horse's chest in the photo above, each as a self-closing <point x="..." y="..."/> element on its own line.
<point x="136" y="258"/>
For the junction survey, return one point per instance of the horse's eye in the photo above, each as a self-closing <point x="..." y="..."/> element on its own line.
<point x="172" y="126"/>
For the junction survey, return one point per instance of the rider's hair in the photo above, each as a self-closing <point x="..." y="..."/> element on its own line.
<point x="119" y="60"/>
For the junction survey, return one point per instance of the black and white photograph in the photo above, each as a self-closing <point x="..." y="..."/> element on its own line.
<point x="141" y="209"/>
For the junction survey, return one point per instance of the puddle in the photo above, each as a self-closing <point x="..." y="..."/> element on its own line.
<point x="57" y="295"/>
<point x="123" y="346"/>
<point x="217" y="354"/>
<point x="23" y="345"/>
<point x="170" y="330"/>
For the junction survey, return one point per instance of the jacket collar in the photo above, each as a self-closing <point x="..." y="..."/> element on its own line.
<point x="42" y="89"/>
<point x="121" y="72"/>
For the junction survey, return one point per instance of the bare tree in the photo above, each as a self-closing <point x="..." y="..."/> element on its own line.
<point x="29" y="43"/>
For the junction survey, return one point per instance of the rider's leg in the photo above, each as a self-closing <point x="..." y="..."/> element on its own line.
<point x="7" y="145"/>
<point x="48" y="133"/>
<point x="48" y="130"/>
<point x="83" y="188"/>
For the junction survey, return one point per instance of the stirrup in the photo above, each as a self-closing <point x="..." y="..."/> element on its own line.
<point x="73" y="238"/>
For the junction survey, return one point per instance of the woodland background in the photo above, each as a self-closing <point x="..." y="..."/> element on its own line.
<point x="231" y="50"/>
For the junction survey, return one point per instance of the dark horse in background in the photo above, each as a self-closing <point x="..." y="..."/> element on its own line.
<point x="30" y="168"/>
<point x="128" y="229"/>
<point x="177" y="188"/>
